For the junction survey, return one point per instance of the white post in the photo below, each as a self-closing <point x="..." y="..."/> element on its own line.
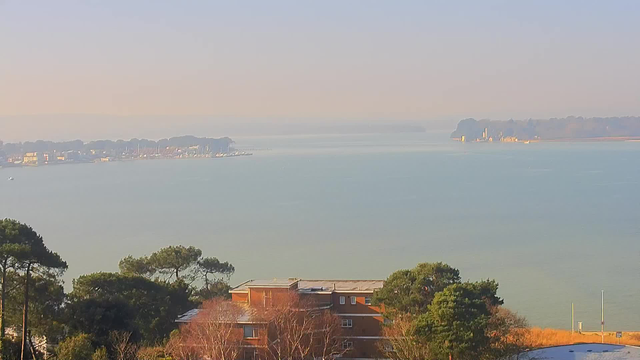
<point x="572" y="321"/>
<point x="602" y="318"/>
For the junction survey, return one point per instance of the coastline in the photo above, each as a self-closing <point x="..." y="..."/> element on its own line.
<point x="564" y="140"/>
<point x="98" y="161"/>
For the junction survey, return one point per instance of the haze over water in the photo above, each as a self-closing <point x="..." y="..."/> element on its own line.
<point x="553" y="223"/>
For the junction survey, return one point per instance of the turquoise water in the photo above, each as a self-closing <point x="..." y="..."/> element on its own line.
<point x="553" y="223"/>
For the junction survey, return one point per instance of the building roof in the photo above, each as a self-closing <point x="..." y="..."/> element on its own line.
<point x="587" y="352"/>
<point x="247" y="317"/>
<point x="314" y="285"/>
<point x="340" y="285"/>
<point x="270" y="283"/>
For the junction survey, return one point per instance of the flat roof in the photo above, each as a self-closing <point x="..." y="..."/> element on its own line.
<point x="284" y="283"/>
<point x="340" y="285"/>
<point x="314" y="285"/>
<point x="247" y="317"/>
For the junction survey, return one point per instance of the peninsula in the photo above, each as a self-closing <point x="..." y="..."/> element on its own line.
<point x="565" y="129"/>
<point x="48" y="152"/>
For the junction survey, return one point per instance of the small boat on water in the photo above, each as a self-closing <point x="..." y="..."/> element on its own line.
<point x="10" y="178"/>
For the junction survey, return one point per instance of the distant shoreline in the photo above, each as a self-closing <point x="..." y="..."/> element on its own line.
<point x="566" y="140"/>
<point x="567" y="129"/>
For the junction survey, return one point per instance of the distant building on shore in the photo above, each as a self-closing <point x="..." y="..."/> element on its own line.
<point x="33" y="158"/>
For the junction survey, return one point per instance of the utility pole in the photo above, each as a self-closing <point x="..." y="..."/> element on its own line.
<point x="602" y="318"/>
<point x="572" y="319"/>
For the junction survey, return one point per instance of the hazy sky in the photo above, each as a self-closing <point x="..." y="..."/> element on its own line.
<point x="136" y="65"/>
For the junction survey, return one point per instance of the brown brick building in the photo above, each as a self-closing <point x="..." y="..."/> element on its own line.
<point x="351" y="300"/>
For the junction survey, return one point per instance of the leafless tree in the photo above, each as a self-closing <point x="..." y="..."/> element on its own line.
<point x="400" y="341"/>
<point x="179" y="350"/>
<point x="328" y="336"/>
<point x="212" y="334"/>
<point x="508" y="333"/>
<point x="301" y="329"/>
<point x="123" y="348"/>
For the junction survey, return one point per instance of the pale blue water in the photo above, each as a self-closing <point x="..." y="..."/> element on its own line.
<point x="553" y="223"/>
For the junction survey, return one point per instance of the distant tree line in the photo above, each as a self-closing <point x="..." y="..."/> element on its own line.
<point x="214" y="145"/>
<point x="551" y="129"/>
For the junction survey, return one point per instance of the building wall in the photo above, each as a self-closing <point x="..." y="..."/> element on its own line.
<point x="359" y="308"/>
<point x="267" y="296"/>
<point x="363" y="348"/>
<point x="240" y="297"/>
<point x="366" y="321"/>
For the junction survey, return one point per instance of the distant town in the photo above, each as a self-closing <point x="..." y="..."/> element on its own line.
<point x="41" y="152"/>
<point x="566" y="129"/>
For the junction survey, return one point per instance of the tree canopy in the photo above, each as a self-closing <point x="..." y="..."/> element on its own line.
<point x="456" y="322"/>
<point x="437" y="316"/>
<point x="411" y="291"/>
<point x="153" y="306"/>
<point x="174" y="260"/>
<point x="75" y="348"/>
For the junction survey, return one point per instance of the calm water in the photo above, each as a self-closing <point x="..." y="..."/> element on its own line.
<point x="553" y="223"/>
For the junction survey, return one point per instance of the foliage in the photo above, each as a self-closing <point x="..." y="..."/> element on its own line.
<point x="12" y="244"/>
<point x="218" y="288"/>
<point x="214" y="145"/>
<point x="75" y="348"/>
<point x="31" y="255"/>
<point x="154" y="305"/>
<point x="99" y="317"/>
<point x="173" y="260"/>
<point x="100" y="354"/>
<point x="185" y="264"/>
<point x="567" y="128"/>
<point x="11" y="348"/>
<point x="411" y="291"/>
<point x="211" y="266"/>
<point x="45" y="307"/>
<point x="456" y="322"/>
<point x="151" y="353"/>
<point x="136" y="266"/>
<point x="178" y="263"/>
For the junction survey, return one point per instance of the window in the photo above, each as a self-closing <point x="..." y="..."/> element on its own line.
<point x="268" y="302"/>
<point x="347" y="323"/>
<point x="250" y="355"/>
<point x="353" y="300"/>
<point x="342" y="300"/>
<point x="250" y="332"/>
<point x="346" y="345"/>
<point x="367" y="300"/>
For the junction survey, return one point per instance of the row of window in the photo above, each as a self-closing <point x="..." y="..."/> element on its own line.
<point x="354" y="299"/>
<point x="252" y="332"/>
<point x="348" y="345"/>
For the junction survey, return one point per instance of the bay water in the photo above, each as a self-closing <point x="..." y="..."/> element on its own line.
<point x="553" y="223"/>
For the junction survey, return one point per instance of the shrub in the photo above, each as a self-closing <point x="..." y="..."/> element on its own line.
<point x="151" y="353"/>
<point x="76" y="348"/>
<point x="100" y="354"/>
